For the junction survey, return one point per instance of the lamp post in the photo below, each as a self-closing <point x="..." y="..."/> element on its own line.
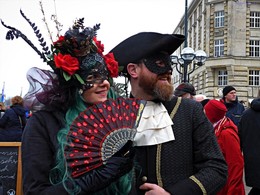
<point x="186" y="23"/>
<point x="187" y="57"/>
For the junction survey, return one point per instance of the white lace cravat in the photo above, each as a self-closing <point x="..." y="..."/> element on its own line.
<point x="154" y="126"/>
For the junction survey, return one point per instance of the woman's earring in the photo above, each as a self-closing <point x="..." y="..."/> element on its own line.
<point x="80" y="91"/>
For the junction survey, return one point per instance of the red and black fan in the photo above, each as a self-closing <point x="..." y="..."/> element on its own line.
<point x="100" y="131"/>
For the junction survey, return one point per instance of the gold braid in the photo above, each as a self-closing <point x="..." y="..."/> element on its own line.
<point x="159" y="147"/>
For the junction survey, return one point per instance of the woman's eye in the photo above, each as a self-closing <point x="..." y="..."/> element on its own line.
<point x="90" y="78"/>
<point x="94" y="78"/>
<point x="97" y="77"/>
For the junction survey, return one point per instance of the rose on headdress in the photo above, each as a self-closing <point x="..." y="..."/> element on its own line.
<point x="75" y="45"/>
<point x="100" y="46"/>
<point x="59" y="41"/>
<point x="67" y="63"/>
<point x="112" y="64"/>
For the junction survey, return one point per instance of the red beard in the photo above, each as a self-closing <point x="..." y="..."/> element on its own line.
<point x="158" y="90"/>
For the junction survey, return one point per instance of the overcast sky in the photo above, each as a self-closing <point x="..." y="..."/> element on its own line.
<point x="119" y="19"/>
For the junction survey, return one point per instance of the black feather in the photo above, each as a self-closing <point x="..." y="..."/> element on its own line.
<point x="13" y="32"/>
<point x="38" y="35"/>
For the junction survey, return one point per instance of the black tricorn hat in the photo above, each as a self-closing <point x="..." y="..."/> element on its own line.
<point x="144" y="44"/>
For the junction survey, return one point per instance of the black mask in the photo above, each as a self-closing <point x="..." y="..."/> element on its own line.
<point x="164" y="67"/>
<point x="93" y="70"/>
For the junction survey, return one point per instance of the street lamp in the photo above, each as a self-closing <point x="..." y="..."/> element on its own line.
<point x="187" y="57"/>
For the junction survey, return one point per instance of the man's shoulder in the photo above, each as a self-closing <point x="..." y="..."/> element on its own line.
<point x="184" y="102"/>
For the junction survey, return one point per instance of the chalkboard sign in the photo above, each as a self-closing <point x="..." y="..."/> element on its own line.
<point x="10" y="168"/>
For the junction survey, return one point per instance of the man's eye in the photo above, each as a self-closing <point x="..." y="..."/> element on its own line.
<point x="161" y="63"/>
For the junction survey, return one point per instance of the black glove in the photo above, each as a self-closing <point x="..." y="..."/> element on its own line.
<point x="126" y="151"/>
<point x="116" y="166"/>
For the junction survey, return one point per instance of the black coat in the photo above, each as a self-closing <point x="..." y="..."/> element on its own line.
<point x="39" y="148"/>
<point x="249" y="132"/>
<point x="12" y="123"/>
<point x="194" y="152"/>
<point x="40" y="142"/>
<point x="2" y="113"/>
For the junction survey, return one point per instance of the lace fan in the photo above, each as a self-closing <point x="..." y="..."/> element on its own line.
<point x="100" y="131"/>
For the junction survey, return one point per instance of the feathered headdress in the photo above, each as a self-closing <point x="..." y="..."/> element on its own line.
<point x="73" y="57"/>
<point x="65" y="56"/>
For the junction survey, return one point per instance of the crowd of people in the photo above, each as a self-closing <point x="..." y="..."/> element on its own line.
<point x="184" y="143"/>
<point x="237" y="131"/>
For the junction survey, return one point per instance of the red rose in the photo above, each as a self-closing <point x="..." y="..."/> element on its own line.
<point x="112" y="64"/>
<point x="100" y="46"/>
<point x="67" y="63"/>
<point x="59" y="41"/>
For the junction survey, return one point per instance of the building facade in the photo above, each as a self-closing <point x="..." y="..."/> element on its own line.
<point x="229" y="32"/>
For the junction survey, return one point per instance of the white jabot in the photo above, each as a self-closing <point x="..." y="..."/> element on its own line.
<point x="154" y="126"/>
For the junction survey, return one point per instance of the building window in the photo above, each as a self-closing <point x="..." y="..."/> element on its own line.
<point x="219" y="48"/>
<point x="222" y="77"/>
<point x="255" y="19"/>
<point x="254" y="48"/>
<point x="219" y="19"/>
<point x="254" y="77"/>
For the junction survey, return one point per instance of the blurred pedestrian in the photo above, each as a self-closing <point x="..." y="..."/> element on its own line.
<point x="235" y="109"/>
<point x="227" y="135"/>
<point x="249" y="132"/>
<point x="13" y="121"/>
<point x="185" y="90"/>
<point x="200" y="97"/>
<point x="2" y="109"/>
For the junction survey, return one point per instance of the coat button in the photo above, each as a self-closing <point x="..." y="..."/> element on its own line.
<point x="144" y="179"/>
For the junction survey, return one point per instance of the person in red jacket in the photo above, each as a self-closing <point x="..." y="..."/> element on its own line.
<point x="227" y="135"/>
